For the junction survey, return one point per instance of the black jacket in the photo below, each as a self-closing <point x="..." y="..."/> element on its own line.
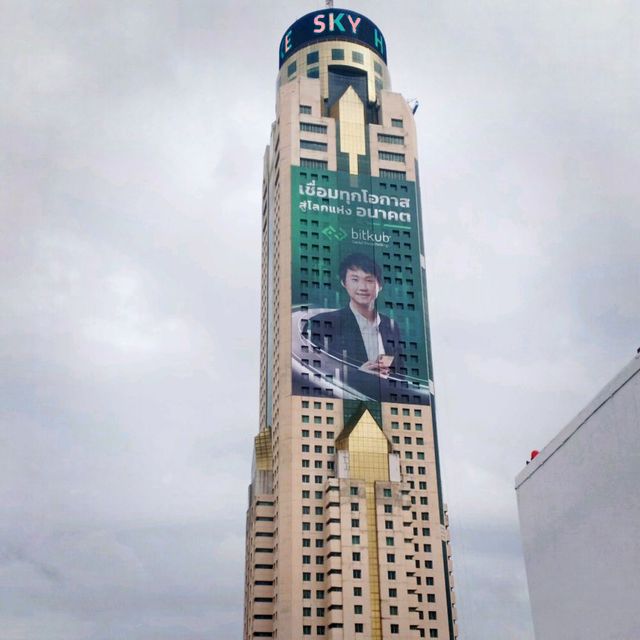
<point x="337" y="332"/>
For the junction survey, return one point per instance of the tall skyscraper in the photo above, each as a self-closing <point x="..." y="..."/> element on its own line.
<point x="347" y="532"/>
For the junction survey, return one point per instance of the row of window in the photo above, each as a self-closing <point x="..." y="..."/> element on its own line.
<point x="387" y="138"/>
<point x="358" y="628"/>
<point x="316" y="419"/>
<point x="313" y="145"/>
<point x="317" y="434"/>
<point x="317" y="464"/>
<point x="317" y="449"/>
<point x="312" y="127"/>
<point x="393" y="157"/>
<point x="318" y="405"/>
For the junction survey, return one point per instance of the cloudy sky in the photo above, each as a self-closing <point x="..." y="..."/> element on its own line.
<point x="132" y="136"/>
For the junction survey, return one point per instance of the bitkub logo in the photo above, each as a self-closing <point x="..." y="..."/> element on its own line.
<point x="332" y="232"/>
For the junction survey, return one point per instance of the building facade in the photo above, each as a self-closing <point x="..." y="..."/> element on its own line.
<point x="579" y="508"/>
<point x="347" y="533"/>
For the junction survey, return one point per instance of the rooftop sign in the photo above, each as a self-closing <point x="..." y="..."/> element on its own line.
<point x="331" y="24"/>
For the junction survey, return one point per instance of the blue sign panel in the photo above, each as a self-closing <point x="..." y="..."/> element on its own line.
<point x="332" y="24"/>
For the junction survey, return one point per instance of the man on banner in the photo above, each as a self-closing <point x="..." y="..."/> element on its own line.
<point x="358" y="334"/>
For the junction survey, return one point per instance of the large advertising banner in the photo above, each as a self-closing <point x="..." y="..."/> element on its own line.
<point x="358" y="315"/>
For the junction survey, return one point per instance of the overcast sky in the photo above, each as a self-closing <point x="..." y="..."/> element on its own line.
<point x="131" y="143"/>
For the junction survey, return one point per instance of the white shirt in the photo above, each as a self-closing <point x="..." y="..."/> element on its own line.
<point x="370" y="331"/>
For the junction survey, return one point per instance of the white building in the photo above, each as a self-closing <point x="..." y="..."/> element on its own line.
<point x="579" y="504"/>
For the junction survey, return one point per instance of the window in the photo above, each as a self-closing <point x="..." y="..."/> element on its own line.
<point x="433" y="633"/>
<point x="395" y="175"/>
<point x="305" y="493"/>
<point x="306" y="630"/>
<point x="357" y="574"/>
<point x="320" y="630"/>
<point x="428" y="581"/>
<point x="317" y="434"/>
<point x="357" y="609"/>
<point x="355" y="539"/>
<point x="305" y="433"/>
<point x="357" y="57"/>
<point x="291" y="69"/>
<point x="357" y="591"/>
<point x="312" y="145"/>
<point x="359" y="627"/>
<point x="377" y="67"/>
<point x="389" y="541"/>
<point x="395" y="628"/>
<point x="313" y="164"/>
<point x="355" y="556"/>
<point x="313" y="128"/>
<point x="432" y="615"/>
<point x="305" y="419"/>
<point x="393" y="593"/>
<point x="386" y="493"/>
<point x="355" y="506"/>
<point x="306" y="577"/>
<point x="388" y="508"/>
<point x="394" y="411"/>
<point x="312" y="57"/>
<point x="306" y="611"/>
<point x="305" y="109"/>
<point x="391" y="575"/>
<point x="354" y="491"/>
<point x="337" y="54"/>
<point x="393" y="611"/>
<point x="391" y="557"/>
<point x="387" y="139"/>
<point x="431" y="597"/>
<point x="355" y="523"/>
<point x="396" y="122"/>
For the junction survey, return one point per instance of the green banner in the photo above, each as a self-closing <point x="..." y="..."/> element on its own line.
<point x="358" y="310"/>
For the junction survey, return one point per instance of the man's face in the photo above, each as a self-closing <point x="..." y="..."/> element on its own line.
<point x="362" y="287"/>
